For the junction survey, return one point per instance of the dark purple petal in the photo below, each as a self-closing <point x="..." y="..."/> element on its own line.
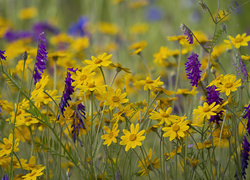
<point x="192" y="69"/>
<point x="2" y="55"/>
<point x="187" y="33"/>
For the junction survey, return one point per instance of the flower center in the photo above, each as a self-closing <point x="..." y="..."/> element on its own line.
<point x="97" y="61"/>
<point x="164" y="115"/>
<point x="83" y="77"/>
<point x="228" y="85"/>
<point x="238" y="40"/>
<point x="18" y="113"/>
<point x="132" y="137"/>
<point x="115" y="99"/>
<point x="28" y="119"/>
<point x="176" y="128"/>
<point x="111" y="134"/>
<point x="8" y="146"/>
<point x="91" y="85"/>
<point x="206" y="109"/>
<point x="32" y="174"/>
<point x="149" y="81"/>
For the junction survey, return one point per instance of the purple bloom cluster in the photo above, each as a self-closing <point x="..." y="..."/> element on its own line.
<point x="5" y="177"/>
<point x="247" y="115"/>
<point x="79" y="29"/>
<point x="41" y="58"/>
<point x="2" y="55"/>
<point x="243" y="69"/>
<point x="214" y="96"/>
<point x="244" y="156"/>
<point x="187" y="33"/>
<point x="192" y="69"/>
<point x="78" y="121"/>
<point x="68" y="90"/>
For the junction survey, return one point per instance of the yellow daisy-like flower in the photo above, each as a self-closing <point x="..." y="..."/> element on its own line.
<point x="6" y="146"/>
<point x="27" y="13"/>
<point x="111" y="136"/>
<point x="27" y="121"/>
<point x="238" y="41"/>
<point x="40" y="86"/>
<point x="81" y="77"/>
<point x="114" y="98"/>
<point x="163" y="116"/>
<point x="34" y="174"/>
<point x="245" y="57"/>
<point x="133" y="138"/>
<point x="139" y="28"/>
<point x="228" y="84"/>
<point x="206" y="110"/>
<point x="101" y="60"/>
<point x="161" y="56"/>
<point x="138" y="47"/>
<point x="108" y="28"/>
<point x="150" y="165"/>
<point x="149" y="83"/>
<point x="32" y="164"/>
<point x="176" y="130"/>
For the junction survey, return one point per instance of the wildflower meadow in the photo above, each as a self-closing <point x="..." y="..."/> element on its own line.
<point x="124" y="89"/>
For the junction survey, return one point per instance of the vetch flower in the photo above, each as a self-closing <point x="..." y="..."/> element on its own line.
<point x="2" y="55"/>
<point x="68" y="90"/>
<point x="192" y="69"/>
<point x="242" y="67"/>
<point x="187" y="33"/>
<point x="41" y="58"/>
<point x="78" y="121"/>
<point x="133" y="137"/>
<point x="244" y="156"/>
<point x="5" y="177"/>
<point x="247" y="115"/>
<point x="111" y="136"/>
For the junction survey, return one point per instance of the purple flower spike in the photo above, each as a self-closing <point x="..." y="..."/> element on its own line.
<point x="244" y="156"/>
<point x="214" y="96"/>
<point x="78" y="122"/>
<point x="192" y="69"/>
<point x="247" y="115"/>
<point x="5" y="177"/>
<point x="68" y="90"/>
<point x="41" y="58"/>
<point x="2" y="55"/>
<point x="187" y="33"/>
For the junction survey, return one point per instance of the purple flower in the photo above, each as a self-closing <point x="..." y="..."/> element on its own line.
<point x="5" y="177"/>
<point x="79" y="29"/>
<point x="68" y="91"/>
<point x="241" y="68"/>
<point x="41" y="58"/>
<point x="244" y="156"/>
<point x="40" y="27"/>
<point x="187" y="33"/>
<point x="247" y="115"/>
<point x="192" y="69"/>
<point x="78" y="121"/>
<point x="154" y="14"/>
<point x="11" y="35"/>
<point x="2" y="55"/>
<point x="214" y="96"/>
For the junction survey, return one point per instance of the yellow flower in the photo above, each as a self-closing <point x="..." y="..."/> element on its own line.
<point x="114" y="98"/>
<point x="203" y="38"/>
<point x="40" y="86"/>
<point x="32" y="164"/>
<point x="6" y="147"/>
<point x="44" y="98"/>
<point x="161" y="56"/>
<point x="111" y="136"/>
<point x="238" y="41"/>
<point x="228" y="84"/>
<point x="28" y="121"/>
<point x="138" y="47"/>
<point x="164" y="116"/>
<point x="245" y="57"/>
<point x="133" y="138"/>
<point x="101" y="60"/>
<point x="139" y="28"/>
<point x="27" y="13"/>
<point x="61" y="39"/>
<point x="108" y="28"/>
<point x="149" y="83"/>
<point x="206" y="110"/>
<point x="81" y="77"/>
<point x="194" y="162"/>
<point x="34" y="174"/>
<point x="150" y="165"/>
<point x="174" y="152"/>
<point x="176" y="130"/>
<point x="186" y="91"/>
<point x="119" y="68"/>
<point x="80" y="43"/>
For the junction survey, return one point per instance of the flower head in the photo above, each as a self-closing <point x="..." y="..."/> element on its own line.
<point x="228" y="84"/>
<point x="34" y="174"/>
<point x="244" y="156"/>
<point x="187" y="33"/>
<point x="192" y="69"/>
<point x="176" y="130"/>
<point x="7" y="146"/>
<point x="163" y="116"/>
<point x="138" y="47"/>
<point x="133" y="137"/>
<point x="68" y="90"/>
<point x="206" y="110"/>
<point x="247" y="115"/>
<point x="238" y="41"/>
<point x="101" y="60"/>
<point x="2" y="55"/>
<point x="41" y="58"/>
<point x="115" y="98"/>
<point x="111" y="136"/>
<point x="5" y="177"/>
<point x="149" y="83"/>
